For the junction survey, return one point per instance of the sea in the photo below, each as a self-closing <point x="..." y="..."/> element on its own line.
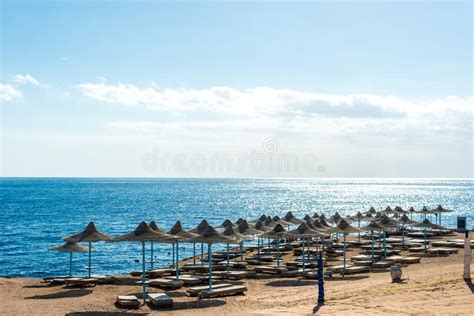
<point x="36" y="213"/>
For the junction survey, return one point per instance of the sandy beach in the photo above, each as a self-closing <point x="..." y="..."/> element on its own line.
<point x="433" y="287"/>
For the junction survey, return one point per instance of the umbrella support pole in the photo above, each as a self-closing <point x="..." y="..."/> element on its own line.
<point x="344" y="269"/>
<point x="304" y="262"/>
<point x="202" y="254"/>
<point x="373" y="250"/>
<point x="177" y="261"/>
<point x="209" y="257"/>
<point x="258" y="247"/>
<point x="172" y="256"/>
<point x="70" y="264"/>
<point x="425" y="240"/>
<point x="384" y="245"/>
<point x="90" y="254"/>
<point x="241" y="245"/>
<point x="228" y="263"/>
<point x="320" y="280"/>
<point x="194" y="253"/>
<point x="278" y="252"/>
<point x="143" y="274"/>
<point x="151" y="256"/>
<point x="358" y="225"/>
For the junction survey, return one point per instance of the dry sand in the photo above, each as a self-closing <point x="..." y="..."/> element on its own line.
<point x="434" y="287"/>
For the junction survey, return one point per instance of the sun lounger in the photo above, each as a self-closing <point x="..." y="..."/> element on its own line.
<point x="355" y="270"/>
<point x="128" y="301"/>
<point x="292" y="273"/>
<point x="187" y="280"/>
<point x="195" y="268"/>
<point x="416" y="249"/>
<point x="270" y="269"/>
<point x="160" y="299"/>
<point x="104" y="279"/>
<point x="442" y="251"/>
<point x="364" y="258"/>
<point x="196" y="290"/>
<point x="172" y="284"/>
<point x="384" y="264"/>
<point x="136" y="273"/>
<point x="158" y="273"/>
<point x="363" y="263"/>
<point x="225" y="291"/>
<point x="82" y="282"/>
<point x="409" y="260"/>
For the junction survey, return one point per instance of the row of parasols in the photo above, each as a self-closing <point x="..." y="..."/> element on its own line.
<point x="265" y="227"/>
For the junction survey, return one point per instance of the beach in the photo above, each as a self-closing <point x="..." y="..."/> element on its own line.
<point x="433" y="287"/>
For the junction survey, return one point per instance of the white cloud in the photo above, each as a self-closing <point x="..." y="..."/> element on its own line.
<point x="264" y="101"/>
<point x="26" y="79"/>
<point x="9" y="93"/>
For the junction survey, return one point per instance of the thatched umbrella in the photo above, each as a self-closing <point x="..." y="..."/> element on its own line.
<point x="277" y="220"/>
<point x="335" y="218"/>
<point x="315" y="215"/>
<point x="260" y="226"/>
<point x="385" y="221"/>
<point x="142" y="234"/>
<point x="226" y="223"/>
<point x="240" y="220"/>
<point x="345" y="228"/>
<point x="303" y="231"/>
<point x="211" y="236"/>
<point x="237" y="236"/>
<point x="308" y="218"/>
<point x="358" y="217"/>
<point x="404" y="220"/>
<point x="199" y="229"/>
<point x="70" y="247"/>
<point x="322" y="216"/>
<point x="276" y="233"/>
<point x="155" y="227"/>
<point x="289" y="217"/>
<point x="371" y="210"/>
<point x="427" y="224"/>
<point x="439" y="210"/>
<point x="89" y="235"/>
<point x="182" y="235"/>
<point x="378" y="227"/>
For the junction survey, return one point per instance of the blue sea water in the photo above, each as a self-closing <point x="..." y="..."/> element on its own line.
<point x="36" y="213"/>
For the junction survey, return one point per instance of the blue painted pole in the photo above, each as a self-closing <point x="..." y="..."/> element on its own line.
<point x="173" y="255"/>
<point x="70" y="264"/>
<point x="373" y="242"/>
<point x="90" y="254"/>
<point x="151" y="256"/>
<point x="202" y="254"/>
<point x="177" y="261"/>
<point x="209" y="254"/>
<point x="320" y="279"/>
<point x="278" y="252"/>
<point x="143" y="274"/>
<point x="384" y="245"/>
<point x="194" y="253"/>
<point x="344" y="269"/>
<point x="303" y="258"/>
<point x="228" y="263"/>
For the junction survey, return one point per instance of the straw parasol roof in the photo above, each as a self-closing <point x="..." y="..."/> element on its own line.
<point x="304" y="231"/>
<point x="322" y="216"/>
<point x="427" y="224"/>
<point x="234" y="233"/>
<point x="318" y="224"/>
<point x="277" y="232"/>
<point x="440" y="209"/>
<point x="144" y="233"/>
<point x="226" y="223"/>
<point x="289" y="217"/>
<point x="412" y="210"/>
<point x="70" y="246"/>
<point x="245" y="229"/>
<point x="277" y="220"/>
<point x="405" y="220"/>
<point x="212" y="236"/>
<point x="307" y="218"/>
<point x="386" y="221"/>
<point x="371" y="210"/>
<point x="335" y="218"/>
<point x="261" y="226"/>
<point x="178" y="231"/>
<point x="344" y="227"/>
<point x="90" y="234"/>
<point x="376" y="226"/>
<point x="315" y="215"/>
<point x="240" y="220"/>
<point x="357" y="216"/>
<point x="155" y="227"/>
<point x="200" y="228"/>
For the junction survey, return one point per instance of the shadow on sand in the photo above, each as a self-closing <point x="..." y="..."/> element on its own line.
<point x="291" y="283"/>
<point x="63" y="294"/>
<point x="469" y="285"/>
<point x="104" y="314"/>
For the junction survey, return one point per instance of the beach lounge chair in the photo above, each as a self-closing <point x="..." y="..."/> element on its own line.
<point x="82" y="282"/>
<point x="188" y="280"/>
<point x="195" y="268"/>
<point x="160" y="299"/>
<point x="409" y="260"/>
<point x="355" y="270"/>
<point x="270" y="269"/>
<point x="196" y="290"/>
<point x="171" y="284"/>
<point x="292" y="273"/>
<point x="158" y="273"/>
<point x="384" y="264"/>
<point x="128" y="301"/>
<point x="225" y="291"/>
<point x="103" y="279"/>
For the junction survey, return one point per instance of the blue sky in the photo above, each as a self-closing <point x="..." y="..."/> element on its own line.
<point x="367" y="88"/>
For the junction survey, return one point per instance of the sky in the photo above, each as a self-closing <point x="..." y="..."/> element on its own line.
<point x="227" y="89"/>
